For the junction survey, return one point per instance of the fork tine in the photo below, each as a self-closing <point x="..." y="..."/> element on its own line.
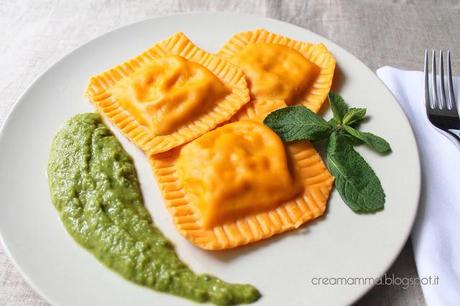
<point x="440" y="114"/>
<point x="428" y="102"/>
<point x="434" y="83"/>
<point x="452" y="102"/>
<point x="442" y="101"/>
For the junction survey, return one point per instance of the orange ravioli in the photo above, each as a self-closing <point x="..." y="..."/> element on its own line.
<point x="238" y="184"/>
<point x="229" y="162"/>
<point x="258" y="109"/>
<point x="169" y="92"/>
<point x="169" y="95"/>
<point x="279" y="68"/>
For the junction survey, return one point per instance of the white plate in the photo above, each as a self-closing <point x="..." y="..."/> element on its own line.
<point x="343" y="244"/>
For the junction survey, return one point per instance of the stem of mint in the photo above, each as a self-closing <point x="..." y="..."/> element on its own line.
<point x="356" y="182"/>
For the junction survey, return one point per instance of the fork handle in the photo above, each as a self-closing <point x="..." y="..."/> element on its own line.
<point x="456" y="133"/>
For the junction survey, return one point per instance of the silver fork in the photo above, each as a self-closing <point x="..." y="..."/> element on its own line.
<point x="441" y="109"/>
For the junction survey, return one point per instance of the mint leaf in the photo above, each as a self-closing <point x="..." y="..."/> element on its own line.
<point x="374" y="142"/>
<point x="352" y="140"/>
<point x="338" y="106"/>
<point x="354" y="115"/>
<point x="355" y="180"/>
<point x="298" y="123"/>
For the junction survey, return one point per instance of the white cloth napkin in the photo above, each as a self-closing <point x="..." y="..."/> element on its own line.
<point x="436" y="234"/>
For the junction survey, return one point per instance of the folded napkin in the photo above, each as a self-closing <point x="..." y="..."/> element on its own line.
<point x="436" y="234"/>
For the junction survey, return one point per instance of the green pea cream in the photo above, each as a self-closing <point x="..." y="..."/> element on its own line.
<point x="95" y="189"/>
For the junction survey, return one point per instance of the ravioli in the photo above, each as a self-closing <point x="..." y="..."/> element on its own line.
<point x="239" y="184"/>
<point x="229" y="162"/>
<point x="169" y="95"/>
<point x="279" y="68"/>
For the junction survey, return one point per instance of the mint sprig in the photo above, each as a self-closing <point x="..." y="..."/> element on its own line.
<point x="354" y="115"/>
<point x="374" y="142"/>
<point x="339" y="107"/>
<point x="356" y="182"/>
<point x="298" y="123"/>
